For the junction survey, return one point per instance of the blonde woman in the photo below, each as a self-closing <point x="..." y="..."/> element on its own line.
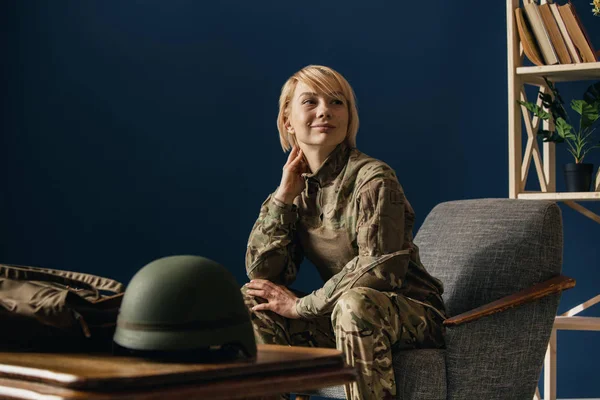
<point x="346" y="213"/>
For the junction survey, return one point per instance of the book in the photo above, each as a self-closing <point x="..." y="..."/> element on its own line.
<point x="585" y="34"/>
<point x="540" y="33"/>
<point x="565" y="34"/>
<point x="576" y="33"/>
<point x="556" y="37"/>
<point x="530" y="47"/>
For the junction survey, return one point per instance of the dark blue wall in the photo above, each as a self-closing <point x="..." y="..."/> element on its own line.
<point x="140" y="129"/>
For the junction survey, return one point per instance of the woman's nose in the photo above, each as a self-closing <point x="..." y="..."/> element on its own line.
<point x="324" y="111"/>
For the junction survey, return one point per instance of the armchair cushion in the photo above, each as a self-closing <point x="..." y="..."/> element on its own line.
<point x="420" y="375"/>
<point x="499" y="354"/>
<point x="485" y="249"/>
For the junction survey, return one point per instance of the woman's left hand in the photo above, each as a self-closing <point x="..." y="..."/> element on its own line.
<point x="280" y="299"/>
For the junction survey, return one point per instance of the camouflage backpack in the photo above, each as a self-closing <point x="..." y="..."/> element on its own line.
<point x="45" y="309"/>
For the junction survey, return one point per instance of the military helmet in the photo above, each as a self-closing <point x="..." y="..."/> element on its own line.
<point x="182" y="304"/>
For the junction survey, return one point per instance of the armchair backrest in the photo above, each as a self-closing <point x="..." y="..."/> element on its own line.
<point x="483" y="250"/>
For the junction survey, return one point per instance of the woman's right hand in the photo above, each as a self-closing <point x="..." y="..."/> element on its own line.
<point x="292" y="182"/>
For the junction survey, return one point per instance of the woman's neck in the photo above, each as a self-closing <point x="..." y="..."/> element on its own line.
<point x="316" y="155"/>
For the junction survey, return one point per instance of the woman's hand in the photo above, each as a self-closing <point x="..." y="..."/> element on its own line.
<point x="280" y="299"/>
<point x="292" y="182"/>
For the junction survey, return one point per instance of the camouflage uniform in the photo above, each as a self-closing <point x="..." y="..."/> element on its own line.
<point x="354" y="224"/>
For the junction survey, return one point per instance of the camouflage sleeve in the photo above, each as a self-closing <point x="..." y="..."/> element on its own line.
<point x="272" y="252"/>
<point x="383" y="254"/>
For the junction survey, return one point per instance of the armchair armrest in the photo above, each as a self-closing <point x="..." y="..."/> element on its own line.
<point x="551" y="286"/>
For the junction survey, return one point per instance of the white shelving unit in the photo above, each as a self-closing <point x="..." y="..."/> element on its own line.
<point x="544" y="162"/>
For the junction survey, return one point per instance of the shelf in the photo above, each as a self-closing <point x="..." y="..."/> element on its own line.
<point x="561" y="72"/>
<point x="577" y="323"/>
<point x="560" y="196"/>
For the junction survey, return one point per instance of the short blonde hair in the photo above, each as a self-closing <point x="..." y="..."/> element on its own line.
<point x="322" y="80"/>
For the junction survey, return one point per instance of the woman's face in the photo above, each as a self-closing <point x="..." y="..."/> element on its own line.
<point x="317" y="119"/>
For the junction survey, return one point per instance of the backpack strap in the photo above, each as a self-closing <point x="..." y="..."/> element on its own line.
<point x="69" y="278"/>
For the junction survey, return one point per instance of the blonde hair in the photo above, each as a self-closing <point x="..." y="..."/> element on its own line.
<point x="322" y="80"/>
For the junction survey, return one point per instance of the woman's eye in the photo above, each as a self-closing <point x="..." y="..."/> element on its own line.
<point x="337" y="101"/>
<point x="308" y="101"/>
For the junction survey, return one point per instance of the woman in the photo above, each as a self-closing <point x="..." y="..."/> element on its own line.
<point x="346" y="213"/>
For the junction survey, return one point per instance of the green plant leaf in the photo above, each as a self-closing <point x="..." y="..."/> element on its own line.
<point x="554" y="90"/>
<point x="555" y="108"/>
<point x="564" y="129"/>
<point x="535" y="109"/>
<point x="554" y="103"/>
<point x="550" y="136"/>
<point x="589" y="112"/>
<point x="592" y="94"/>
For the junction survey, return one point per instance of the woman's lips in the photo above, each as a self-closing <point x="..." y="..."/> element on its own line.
<point x="323" y="127"/>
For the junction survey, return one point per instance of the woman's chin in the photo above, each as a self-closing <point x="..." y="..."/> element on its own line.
<point x="325" y="140"/>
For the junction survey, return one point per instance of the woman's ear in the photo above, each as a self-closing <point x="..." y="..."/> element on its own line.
<point x="288" y="127"/>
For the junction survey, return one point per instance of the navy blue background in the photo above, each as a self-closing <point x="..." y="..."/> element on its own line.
<point x="141" y="129"/>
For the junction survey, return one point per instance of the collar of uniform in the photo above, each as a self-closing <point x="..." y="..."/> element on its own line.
<point x="331" y="167"/>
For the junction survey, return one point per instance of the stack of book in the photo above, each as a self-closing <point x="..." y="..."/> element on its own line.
<point x="553" y="34"/>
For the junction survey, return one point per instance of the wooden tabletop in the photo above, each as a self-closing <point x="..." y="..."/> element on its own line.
<point x="276" y="369"/>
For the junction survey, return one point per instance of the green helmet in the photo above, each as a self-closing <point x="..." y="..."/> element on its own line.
<point x="182" y="305"/>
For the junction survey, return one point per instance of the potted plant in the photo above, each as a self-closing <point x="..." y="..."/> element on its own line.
<point x="578" y="175"/>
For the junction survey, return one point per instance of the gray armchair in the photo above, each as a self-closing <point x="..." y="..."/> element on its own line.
<point x="500" y="261"/>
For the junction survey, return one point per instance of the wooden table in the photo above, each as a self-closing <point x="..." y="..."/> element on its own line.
<point x="275" y="370"/>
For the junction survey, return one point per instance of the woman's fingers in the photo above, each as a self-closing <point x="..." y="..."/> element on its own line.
<point x="298" y="160"/>
<point x="263" y="307"/>
<point x="279" y="298"/>
<point x="292" y="184"/>
<point x="259" y="284"/>
<point x="258" y="293"/>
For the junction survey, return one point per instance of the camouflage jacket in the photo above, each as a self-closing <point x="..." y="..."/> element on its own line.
<point x="353" y="222"/>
